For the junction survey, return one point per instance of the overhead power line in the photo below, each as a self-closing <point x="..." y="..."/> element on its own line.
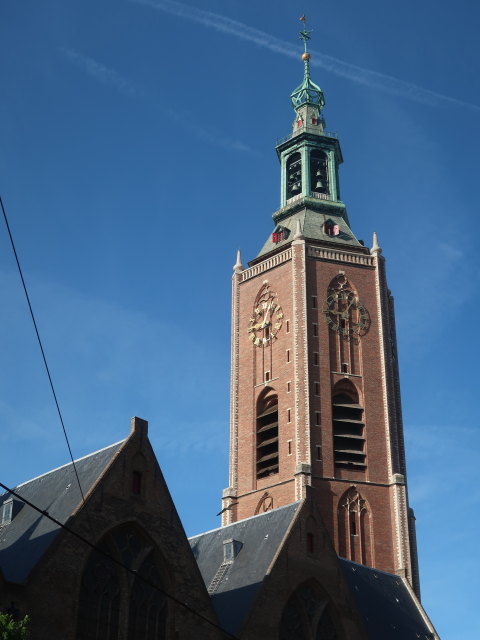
<point x="118" y="562"/>
<point x="32" y="315"/>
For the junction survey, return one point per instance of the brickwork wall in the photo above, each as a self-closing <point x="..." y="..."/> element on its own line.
<point x="253" y="362"/>
<point x="304" y="384"/>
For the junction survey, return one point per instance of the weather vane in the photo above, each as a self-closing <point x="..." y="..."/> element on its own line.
<point x="305" y="34"/>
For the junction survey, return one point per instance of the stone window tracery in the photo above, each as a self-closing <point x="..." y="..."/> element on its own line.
<point x="111" y="598"/>
<point x="354" y="527"/>
<point x="307" y="617"/>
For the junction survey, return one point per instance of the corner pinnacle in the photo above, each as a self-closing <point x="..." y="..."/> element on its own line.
<point x="238" y="266"/>
<point x="298" y="237"/>
<point x="376" y="250"/>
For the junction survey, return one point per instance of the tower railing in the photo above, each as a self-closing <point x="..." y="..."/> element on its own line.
<point x="325" y="134"/>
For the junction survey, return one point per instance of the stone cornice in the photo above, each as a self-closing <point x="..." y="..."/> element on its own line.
<point x="340" y="255"/>
<point x="267" y="264"/>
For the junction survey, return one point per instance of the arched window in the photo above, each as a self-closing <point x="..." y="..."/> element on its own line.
<point x="100" y="597"/>
<point x="147" y="615"/>
<point x="307" y="616"/>
<point x="109" y="599"/>
<point x="294" y="175"/>
<point x="348" y="427"/>
<point x="354" y="527"/>
<point x="267" y="433"/>
<point x="319" y="171"/>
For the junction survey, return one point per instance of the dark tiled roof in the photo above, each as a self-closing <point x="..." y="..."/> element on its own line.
<point x="261" y="537"/>
<point x="27" y="537"/>
<point x="311" y="223"/>
<point x="388" y="607"/>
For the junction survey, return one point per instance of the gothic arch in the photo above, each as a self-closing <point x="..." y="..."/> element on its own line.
<point x="348" y="389"/>
<point x="355" y="527"/>
<point x="263" y="292"/>
<point x="309" y="615"/>
<point x="341" y="283"/>
<point x="111" y="598"/>
<point x="265" y="503"/>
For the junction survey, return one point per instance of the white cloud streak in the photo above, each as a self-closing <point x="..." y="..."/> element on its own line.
<point x="352" y="72"/>
<point x="108" y="76"/>
<point x="207" y="135"/>
<point x="101" y="73"/>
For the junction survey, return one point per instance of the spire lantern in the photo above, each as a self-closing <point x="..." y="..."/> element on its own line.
<point x="308" y="92"/>
<point x="309" y="156"/>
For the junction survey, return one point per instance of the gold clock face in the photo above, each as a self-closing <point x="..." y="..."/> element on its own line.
<point x="344" y="313"/>
<point x="265" y="321"/>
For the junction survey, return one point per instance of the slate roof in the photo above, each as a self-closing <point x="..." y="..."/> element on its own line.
<point x="261" y="536"/>
<point x="27" y="537"/>
<point x="388" y="606"/>
<point x="311" y="223"/>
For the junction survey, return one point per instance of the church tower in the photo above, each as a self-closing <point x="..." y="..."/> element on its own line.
<point x="315" y="396"/>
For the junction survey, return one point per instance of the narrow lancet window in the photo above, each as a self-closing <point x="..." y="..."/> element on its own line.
<point x="354" y="527"/>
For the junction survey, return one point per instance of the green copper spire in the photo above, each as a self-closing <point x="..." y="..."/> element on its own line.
<point x="308" y="92"/>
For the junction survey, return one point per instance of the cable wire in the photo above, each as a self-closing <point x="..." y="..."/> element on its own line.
<point x="32" y="315"/>
<point x="45" y="513"/>
<point x="118" y="562"/>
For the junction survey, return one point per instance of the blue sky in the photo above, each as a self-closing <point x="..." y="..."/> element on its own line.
<point x="137" y="155"/>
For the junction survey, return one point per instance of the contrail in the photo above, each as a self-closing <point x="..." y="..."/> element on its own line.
<point x="107" y="76"/>
<point x="360" y="75"/>
<point x="100" y="72"/>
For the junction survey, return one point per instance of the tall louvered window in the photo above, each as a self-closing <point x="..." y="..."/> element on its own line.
<point x="348" y="431"/>
<point x="267" y="434"/>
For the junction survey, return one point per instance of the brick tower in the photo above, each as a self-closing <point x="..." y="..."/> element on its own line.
<point x="315" y="397"/>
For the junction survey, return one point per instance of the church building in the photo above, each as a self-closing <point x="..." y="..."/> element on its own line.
<point x="318" y="538"/>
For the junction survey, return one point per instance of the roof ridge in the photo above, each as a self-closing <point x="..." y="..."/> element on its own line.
<point x="110" y="446"/>
<point x="257" y="515"/>
<point x="373" y="569"/>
